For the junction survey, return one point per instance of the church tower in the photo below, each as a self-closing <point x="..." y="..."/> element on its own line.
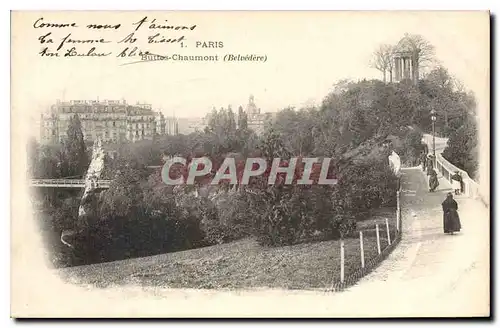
<point x="252" y="109"/>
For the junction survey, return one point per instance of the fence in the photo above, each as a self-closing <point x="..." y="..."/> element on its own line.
<point x="366" y="266"/>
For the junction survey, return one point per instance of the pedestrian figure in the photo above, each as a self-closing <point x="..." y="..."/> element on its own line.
<point x="395" y="164"/>
<point x="429" y="165"/>
<point x="433" y="181"/>
<point x="451" y="220"/>
<point x="456" y="182"/>
<point x="423" y="160"/>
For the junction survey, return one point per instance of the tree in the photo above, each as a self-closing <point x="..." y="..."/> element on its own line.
<point x="358" y="128"/>
<point x="221" y="131"/>
<point x="231" y="120"/>
<point x="242" y="119"/>
<point x="383" y="60"/>
<point x="462" y="148"/>
<point x="442" y="84"/>
<point x="295" y="128"/>
<point x="272" y="146"/>
<point x="33" y="154"/>
<point x="124" y="198"/>
<point x="52" y="162"/>
<point x="448" y="98"/>
<point x="74" y="149"/>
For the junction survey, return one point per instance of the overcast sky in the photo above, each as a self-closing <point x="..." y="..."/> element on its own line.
<point x="307" y="52"/>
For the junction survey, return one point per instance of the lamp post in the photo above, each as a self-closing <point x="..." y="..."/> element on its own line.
<point x="433" y="118"/>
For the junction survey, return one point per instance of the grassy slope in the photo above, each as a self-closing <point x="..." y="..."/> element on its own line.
<point x="241" y="264"/>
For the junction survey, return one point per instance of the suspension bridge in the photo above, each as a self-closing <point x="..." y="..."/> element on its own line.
<point x="69" y="183"/>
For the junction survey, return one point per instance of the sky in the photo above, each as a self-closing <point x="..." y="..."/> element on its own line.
<point x="307" y="52"/>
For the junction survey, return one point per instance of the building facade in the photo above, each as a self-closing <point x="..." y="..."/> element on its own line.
<point x="108" y="120"/>
<point x="255" y="119"/>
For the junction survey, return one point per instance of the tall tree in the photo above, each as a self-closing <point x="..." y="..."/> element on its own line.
<point x="231" y="120"/>
<point x="221" y="130"/>
<point x="442" y="85"/>
<point x="449" y="98"/>
<point x="242" y="119"/>
<point x="74" y="148"/>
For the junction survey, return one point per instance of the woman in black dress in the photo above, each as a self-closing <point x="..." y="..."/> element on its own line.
<point x="451" y="220"/>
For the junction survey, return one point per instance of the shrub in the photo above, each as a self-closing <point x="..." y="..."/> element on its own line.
<point x="462" y="149"/>
<point x="365" y="185"/>
<point x="409" y="147"/>
<point x="413" y="147"/>
<point x="293" y="214"/>
<point x="343" y="225"/>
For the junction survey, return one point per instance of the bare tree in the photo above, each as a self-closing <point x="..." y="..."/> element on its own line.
<point x="383" y="60"/>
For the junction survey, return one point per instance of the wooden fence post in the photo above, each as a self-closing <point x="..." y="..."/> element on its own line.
<point x="388" y="232"/>
<point x="342" y="260"/>
<point x="378" y="238"/>
<point x="362" y="249"/>
<point x="398" y="211"/>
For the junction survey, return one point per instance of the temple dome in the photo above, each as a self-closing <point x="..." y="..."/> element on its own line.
<point x="406" y="45"/>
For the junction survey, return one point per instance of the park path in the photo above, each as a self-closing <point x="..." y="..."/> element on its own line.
<point x="429" y="273"/>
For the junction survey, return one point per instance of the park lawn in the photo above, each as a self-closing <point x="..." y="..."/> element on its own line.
<point x="240" y="264"/>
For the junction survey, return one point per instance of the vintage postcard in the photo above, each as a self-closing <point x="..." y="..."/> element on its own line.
<point x="250" y="164"/>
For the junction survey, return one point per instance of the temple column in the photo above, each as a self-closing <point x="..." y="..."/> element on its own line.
<point x="397" y="69"/>
<point x="404" y="68"/>
<point x="407" y="68"/>
<point x="411" y="67"/>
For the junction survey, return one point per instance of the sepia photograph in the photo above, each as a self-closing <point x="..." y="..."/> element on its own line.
<point x="256" y="164"/>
